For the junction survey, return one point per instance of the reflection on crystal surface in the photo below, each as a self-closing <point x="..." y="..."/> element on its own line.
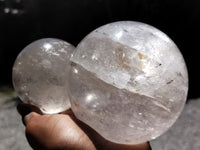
<point x="128" y="81"/>
<point x="40" y="74"/>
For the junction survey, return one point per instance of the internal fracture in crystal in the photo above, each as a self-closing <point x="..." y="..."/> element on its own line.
<point x="128" y="81"/>
<point x="40" y="74"/>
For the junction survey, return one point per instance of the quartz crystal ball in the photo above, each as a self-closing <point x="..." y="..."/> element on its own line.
<point x="129" y="82"/>
<point x="40" y="74"/>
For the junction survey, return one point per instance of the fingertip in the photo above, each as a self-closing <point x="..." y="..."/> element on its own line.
<point x="25" y="109"/>
<point x="30" y="116"/>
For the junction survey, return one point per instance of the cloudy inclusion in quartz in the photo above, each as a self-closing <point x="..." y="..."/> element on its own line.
<point x="128" y="81"/>
<point x="40" y="74"/>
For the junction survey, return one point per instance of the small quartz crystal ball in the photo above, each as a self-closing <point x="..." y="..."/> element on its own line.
<point x="40" y="74"/>
<point x="128" y="81"/>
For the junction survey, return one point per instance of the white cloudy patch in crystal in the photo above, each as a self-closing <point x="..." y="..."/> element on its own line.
<point x="40" y="74"/>
<point x="129" y="82"/>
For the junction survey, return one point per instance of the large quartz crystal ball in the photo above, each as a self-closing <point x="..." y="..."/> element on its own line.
<point x="40" y="74"/>
<point x="129" y="82"/>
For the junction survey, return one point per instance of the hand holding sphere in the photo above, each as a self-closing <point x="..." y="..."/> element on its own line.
<point x="127" y="80"/>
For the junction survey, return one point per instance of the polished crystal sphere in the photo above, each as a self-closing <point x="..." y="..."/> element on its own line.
<point x="40" y="74"/>
<point x="128" y="82"/>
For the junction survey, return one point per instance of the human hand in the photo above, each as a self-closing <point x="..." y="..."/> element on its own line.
<point x="65" y="132"/>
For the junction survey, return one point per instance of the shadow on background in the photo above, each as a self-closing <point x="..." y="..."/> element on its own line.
<point x="23" y="21"/>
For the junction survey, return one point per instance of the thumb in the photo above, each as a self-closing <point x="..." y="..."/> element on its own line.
<point x="26" y="109"/>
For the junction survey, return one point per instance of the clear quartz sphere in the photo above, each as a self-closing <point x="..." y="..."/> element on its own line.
<point x="128" y="81"/>
<point x="40" y="74"/>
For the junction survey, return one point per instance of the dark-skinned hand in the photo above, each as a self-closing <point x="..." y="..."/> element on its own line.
<point x="64" y="132"/>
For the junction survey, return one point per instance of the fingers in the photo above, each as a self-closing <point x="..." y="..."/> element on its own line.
<point x="36" y="127"/>
<point x="30" y="116"/>
<point x="27" y="111"/>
